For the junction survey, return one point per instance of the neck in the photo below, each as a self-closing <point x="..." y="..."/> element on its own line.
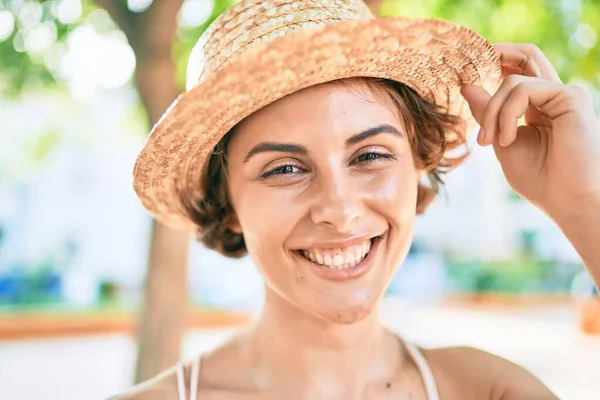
<point x="324" y="359"/>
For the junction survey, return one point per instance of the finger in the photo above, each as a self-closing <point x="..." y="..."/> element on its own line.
<point x="519" y="99"/>
<point x="477" y="98"/>
<point x="543" y="95"/>
<point x="525" y="59"/>
<point x="489" y="122"/>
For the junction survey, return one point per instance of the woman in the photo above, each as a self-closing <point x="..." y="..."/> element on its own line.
<point x="303" y="140"/>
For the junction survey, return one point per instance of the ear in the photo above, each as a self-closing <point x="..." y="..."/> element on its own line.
<point x="425" y="197"/>
<point x="233" y="223"/>
<point x="425" y="194"/>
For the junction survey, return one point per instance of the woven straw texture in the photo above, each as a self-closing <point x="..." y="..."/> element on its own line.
<point x="260" y="51"/>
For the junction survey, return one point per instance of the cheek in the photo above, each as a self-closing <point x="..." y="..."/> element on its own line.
<point x="265" y="222"/>
<point x="394" y="193"/>
<point x="264" y="239"/>
<point x="394" y="197"/>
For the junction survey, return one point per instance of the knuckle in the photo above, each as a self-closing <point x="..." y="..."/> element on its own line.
<point x="512" y="80"/>
<point x="514" y="100"/>
<point x="579" y="91"/>
<point x="578" y="96"/>
<point x="519" y="90"/>
<point x="533" y="49"/>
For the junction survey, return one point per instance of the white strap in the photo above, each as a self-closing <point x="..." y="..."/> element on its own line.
<point x="426" y="374"/>
<point x="194" y="379"/>
<point x="181" y="395"/>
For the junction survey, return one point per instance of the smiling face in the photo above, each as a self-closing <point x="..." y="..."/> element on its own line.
<point x="324" y="188"/>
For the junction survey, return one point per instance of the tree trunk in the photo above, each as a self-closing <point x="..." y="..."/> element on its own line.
<point x="164" y="316"/>
<point x="374" y="5"/>
<point x="151" y="35"/>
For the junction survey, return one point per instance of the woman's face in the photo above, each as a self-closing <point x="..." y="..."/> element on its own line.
<point x="324" y="188"/>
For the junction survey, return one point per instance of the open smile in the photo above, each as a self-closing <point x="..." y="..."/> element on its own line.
<point x="349" y="262"/>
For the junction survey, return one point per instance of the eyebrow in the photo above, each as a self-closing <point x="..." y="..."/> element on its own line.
<point x="266" y="147"/>
<point x="386" y="128"/>
<point x="276" y="147"/>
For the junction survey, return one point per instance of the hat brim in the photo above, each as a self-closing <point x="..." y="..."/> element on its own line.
<point x="432" y="57"/>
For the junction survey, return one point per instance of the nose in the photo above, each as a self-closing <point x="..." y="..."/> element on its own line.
<point x="338" y="204"/>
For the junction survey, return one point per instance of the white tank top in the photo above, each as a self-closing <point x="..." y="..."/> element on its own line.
<point x="413" y="351"/>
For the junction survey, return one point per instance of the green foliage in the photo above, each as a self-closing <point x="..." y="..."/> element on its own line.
<point x="21" y="69"/>
<point x="518" y="274"/>
<point x="188" y="37"/>
<point x="43" y="145"/>
<point x="24" y="69"/>
<point x="567" y="31"/>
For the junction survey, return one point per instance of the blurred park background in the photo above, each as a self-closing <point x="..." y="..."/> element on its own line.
<point x="95" y="296"/>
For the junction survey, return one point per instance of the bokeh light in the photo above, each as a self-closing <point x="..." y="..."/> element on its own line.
<point x="7" y="24"/>
<point x="195" y="12"/>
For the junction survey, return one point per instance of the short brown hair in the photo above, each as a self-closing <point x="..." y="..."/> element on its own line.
<point x="433" y="133"/>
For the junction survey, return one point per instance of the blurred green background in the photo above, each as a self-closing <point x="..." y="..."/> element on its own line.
<point x="35" y="32"/>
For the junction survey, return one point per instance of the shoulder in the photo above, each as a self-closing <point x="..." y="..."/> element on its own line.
<point x="222" y="363"/>
<point x="466" y="372"/>
<point x="161" y="387"/>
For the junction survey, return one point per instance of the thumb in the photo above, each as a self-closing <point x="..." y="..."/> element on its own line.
<point x="477" y="97"/>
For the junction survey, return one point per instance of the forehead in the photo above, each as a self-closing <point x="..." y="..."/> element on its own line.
<point x="348" y="105"/>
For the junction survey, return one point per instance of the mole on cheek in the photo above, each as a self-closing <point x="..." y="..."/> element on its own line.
<point x="300" y="279"/>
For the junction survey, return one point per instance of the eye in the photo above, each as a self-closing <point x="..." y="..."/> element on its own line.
<point x="372" y="157"/>
<point x="286" y="169"/>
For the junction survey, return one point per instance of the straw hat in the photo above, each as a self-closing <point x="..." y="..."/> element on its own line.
<point x="259" y="51"/>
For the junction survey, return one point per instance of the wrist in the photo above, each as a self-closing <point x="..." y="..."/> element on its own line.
<point x="581" y="226"/>
<point x="578" y="215"/>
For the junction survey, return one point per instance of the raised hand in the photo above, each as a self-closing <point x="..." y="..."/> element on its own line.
<point x="553" y="160"/>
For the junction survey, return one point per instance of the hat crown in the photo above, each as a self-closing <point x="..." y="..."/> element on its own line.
<point x="250" y="23"/>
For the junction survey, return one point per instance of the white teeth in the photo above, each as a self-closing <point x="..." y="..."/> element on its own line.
<point x="320" y="259"/>
<point x="350" y="259"/>
<point x="339" y="258"/>
<point x="358" y="254"/>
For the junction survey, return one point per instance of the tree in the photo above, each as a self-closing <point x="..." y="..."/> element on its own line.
<point x="151" y="35"/>
<point x="160" y="60"/>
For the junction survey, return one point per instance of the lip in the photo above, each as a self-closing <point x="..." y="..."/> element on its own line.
<point x="336" y="244"/>
<point x="355" y="272"/>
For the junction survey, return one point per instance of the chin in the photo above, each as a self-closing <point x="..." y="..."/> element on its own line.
<point x="355" y="309"/>
<point x="350" y="316"/>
